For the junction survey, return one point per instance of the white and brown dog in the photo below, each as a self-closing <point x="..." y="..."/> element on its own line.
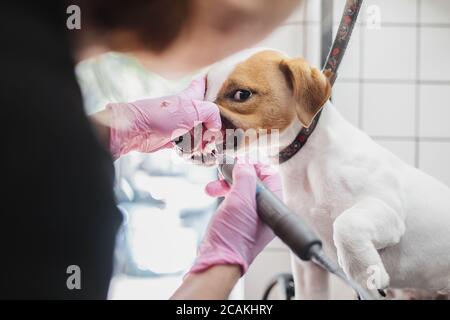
<point x="379" y="217"/>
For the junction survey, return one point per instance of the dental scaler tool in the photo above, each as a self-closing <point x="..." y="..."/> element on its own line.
<point x="290" y="228"/>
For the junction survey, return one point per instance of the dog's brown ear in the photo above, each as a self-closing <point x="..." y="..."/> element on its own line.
<point x="310" y="87"/>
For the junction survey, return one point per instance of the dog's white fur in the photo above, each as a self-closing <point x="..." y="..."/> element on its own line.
<point x="377" y="215"/>
<point x="384" y="221"/>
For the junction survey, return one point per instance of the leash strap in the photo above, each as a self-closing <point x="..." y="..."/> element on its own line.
<point x="348" y="21"/>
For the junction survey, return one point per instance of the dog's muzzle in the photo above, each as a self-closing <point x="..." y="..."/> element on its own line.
<point x="192" y="147"/>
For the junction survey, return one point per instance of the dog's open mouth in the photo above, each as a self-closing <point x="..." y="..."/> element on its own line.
<point x="203" y="154"/>
<point x="202" y="147"/>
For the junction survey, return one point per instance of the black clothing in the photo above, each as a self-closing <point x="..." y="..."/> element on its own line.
<point x="58" y="206"/>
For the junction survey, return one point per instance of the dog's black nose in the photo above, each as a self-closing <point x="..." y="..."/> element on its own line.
<point x="178" y="140"/>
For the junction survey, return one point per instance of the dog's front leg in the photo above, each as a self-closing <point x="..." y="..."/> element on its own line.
<point x="358" y="233"/>
<point x="311" y="281"/>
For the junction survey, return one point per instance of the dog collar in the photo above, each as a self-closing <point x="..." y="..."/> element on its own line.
<point x="299" y="141"/>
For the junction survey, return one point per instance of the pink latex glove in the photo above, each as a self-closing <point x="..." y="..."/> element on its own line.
<point x="235" y="234"/>
<point x="151" y="124"/>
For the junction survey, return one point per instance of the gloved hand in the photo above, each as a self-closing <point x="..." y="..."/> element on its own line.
<point x="151" y="124"/>
<point x="235" y="234"/>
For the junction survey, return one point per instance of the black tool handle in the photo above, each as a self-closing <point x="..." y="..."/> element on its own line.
<point x="289" y="227"/>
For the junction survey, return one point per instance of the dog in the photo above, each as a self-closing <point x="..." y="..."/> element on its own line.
<point x="385" y="222"/>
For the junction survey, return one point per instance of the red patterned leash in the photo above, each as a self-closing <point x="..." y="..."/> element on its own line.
<point x="342" y="38"/>
<point x="332" y="64"/>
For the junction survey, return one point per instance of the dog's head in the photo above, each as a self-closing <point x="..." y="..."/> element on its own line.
<point x="263" y="89"/>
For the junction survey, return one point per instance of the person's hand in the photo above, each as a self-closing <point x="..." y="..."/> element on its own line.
<point x="236" y="235"/>
<point x="151" y="124"/>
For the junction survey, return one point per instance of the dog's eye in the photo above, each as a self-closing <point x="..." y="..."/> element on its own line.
<point x="241" y="95"/>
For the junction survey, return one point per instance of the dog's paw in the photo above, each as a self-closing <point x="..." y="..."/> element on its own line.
<point x="376" y="278"/>
<point x="366" y="270"/>
<point x="359" y="259"/>
<point x="382" y="295"/>
<point x="375" y="281"/>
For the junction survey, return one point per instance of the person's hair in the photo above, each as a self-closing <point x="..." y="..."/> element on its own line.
<point x="155" y="23"/>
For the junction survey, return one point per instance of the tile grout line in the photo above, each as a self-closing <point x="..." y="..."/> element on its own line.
<point x="302" y="22"/>
<point x="360" y="77"/>
<point x="304" y="33"/>
<point x="411" y="138"/>
<point x="417" y="88"/>
<point x="326" y="30"/>
<point x="396" y="81"/>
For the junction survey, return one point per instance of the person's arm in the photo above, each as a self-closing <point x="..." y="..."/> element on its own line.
<point x="101" y="122"/>
<point x="235" y="235"/>
<point x="151" y="124"/>
<point x="214" y="283"/>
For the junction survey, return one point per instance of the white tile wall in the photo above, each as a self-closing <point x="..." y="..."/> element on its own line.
<point x="389" y="53"/>
<point x="435" y="159"/>
<point x="391" y="113"/>
<point x="312" y="10"/>
<point x="346" y="100"/>
<point x="404" y="80"/>
<point x="287" y="38"/>
<point x="405" y="150"/>
<point x="312" y="46"/>
<point x="435" y="111"/>
<point x="389" y="11"/>
<point x="299" y="15"/>
<point x="299" y="35"/>
<point x="435" y="11"/>
<point x="307" y="12"/>
<point x="434" y="53"/>
<point x="397" y="11"/>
